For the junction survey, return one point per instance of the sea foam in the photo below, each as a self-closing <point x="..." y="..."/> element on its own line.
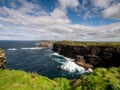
<point x="68" y="64"/>
<point x="31" y="48"/>
<point x="12" y="49"/>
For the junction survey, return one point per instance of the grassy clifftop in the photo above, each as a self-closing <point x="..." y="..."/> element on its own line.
<point x="20" y="80"/>
<point x="100" y="79"/>
<point x="77" y="43"/>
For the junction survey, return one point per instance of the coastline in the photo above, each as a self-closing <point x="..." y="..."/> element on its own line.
<point x="100" y="79"/>
<point x="90" y="54"/>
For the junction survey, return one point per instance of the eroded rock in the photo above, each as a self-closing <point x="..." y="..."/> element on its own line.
<point x="2" y="59"/>
<point x="90" y="56"/>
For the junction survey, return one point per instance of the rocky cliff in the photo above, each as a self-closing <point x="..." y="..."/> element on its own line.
<point x="45" y="44"/>
<point x="90" y="56"/>
<point x="2" y="59"/>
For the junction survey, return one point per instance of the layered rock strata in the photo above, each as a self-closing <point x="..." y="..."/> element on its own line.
<point x="90" y="56"/>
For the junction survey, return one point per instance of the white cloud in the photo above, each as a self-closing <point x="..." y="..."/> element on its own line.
<point x="102" y="3"/>
<point x="54" y="25"/>
<point x="64" y="4"/>
<point x="1" y="26"/>
<point x="107" y="8"/>
<point x="112" y="11"/>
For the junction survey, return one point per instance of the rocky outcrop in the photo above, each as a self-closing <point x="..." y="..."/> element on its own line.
<point x="2" y="59"/>
<point x="90" y="56"/>
<point x="45" y="44"/>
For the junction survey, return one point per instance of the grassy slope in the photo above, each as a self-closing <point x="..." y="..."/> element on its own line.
<point x="76" y="43"/>
<point x="100" y="79"/>
<point x="20" y="80"/>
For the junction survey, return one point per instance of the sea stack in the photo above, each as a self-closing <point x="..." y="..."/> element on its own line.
<point x="2" y="59"/>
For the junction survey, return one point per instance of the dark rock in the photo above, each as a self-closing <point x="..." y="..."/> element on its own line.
<point x="96" y="56"/>
<point x="80" y="58"/>
<point x="81" y="61"/>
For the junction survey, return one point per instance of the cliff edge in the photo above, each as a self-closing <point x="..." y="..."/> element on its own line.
<point x="90" y="54"/>
<point x="45" y="44"/>
<point x="2" y="59"/>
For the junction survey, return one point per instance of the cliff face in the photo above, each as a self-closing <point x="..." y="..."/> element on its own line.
<point x="2" y="59"/>
<point x="91" y="56"/>
<point x="45" y="44"/>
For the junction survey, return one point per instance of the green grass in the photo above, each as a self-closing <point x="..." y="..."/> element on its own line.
<point x="20" y="80"/>
<point x="100" y="79"/>
<point x="77" y="43"/>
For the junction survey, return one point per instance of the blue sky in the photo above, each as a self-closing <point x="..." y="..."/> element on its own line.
<point x="80" y="20"/>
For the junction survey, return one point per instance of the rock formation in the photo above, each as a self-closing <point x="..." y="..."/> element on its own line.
<point x="90" y="56"/>
<point x="2" y="59"/>
<point x="45" y="44"/>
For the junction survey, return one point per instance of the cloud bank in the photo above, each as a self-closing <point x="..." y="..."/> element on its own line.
<point x="1" y="26"/>
<point x="30" y="21"/>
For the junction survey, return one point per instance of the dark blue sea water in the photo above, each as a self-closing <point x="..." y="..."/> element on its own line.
<point x="24" y="55"/>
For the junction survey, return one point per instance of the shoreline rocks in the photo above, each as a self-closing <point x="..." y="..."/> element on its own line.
<point x="90" y="56"/>
<point x="2" y="59"/>
<point x="45" y="44"/>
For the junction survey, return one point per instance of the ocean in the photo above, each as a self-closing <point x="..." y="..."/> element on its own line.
<point x="25" y="55"/>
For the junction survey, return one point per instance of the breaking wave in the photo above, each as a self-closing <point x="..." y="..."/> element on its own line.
<point x="68" y="64"/>
<point x="12" y="49"/>
<point x="37" y="44"/>
<point x="32" y="48"/>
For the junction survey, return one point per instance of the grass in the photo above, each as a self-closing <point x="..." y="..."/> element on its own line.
<point x="77" y="43"/>
<point x="100" y="79"/>
<point x="20" y="80"/>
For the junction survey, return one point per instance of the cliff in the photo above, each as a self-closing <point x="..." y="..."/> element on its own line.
<point x="100" y="79"/>
<point x="90" y="55"/>
<point x="2" y="59"/>
<point x="45" y="44"/>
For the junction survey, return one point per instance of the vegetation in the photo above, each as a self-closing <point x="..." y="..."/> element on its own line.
<point x="100" y="79"/>
<point x="77" y="43"/>
<point x="20" y="80"/>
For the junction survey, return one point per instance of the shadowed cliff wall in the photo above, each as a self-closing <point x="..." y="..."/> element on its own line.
<point x="97" y="56"/>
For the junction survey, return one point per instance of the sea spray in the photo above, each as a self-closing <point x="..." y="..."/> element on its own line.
<point x="31" y="48"/>
<point x="12" y="49"/>
<point x="69" y="65"/>
<point x="25" y="48"/>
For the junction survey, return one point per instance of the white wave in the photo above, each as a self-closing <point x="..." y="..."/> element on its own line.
<point x="56" y="54"/>
<point x="69" y="65"/>
<point x="32" y="48"/>
<point x="73" y="67"/>
<point x="12" y="49"/>
<point x="37" y="44"/>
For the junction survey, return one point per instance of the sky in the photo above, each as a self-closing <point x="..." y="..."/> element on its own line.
<point x="79" y="20"/>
